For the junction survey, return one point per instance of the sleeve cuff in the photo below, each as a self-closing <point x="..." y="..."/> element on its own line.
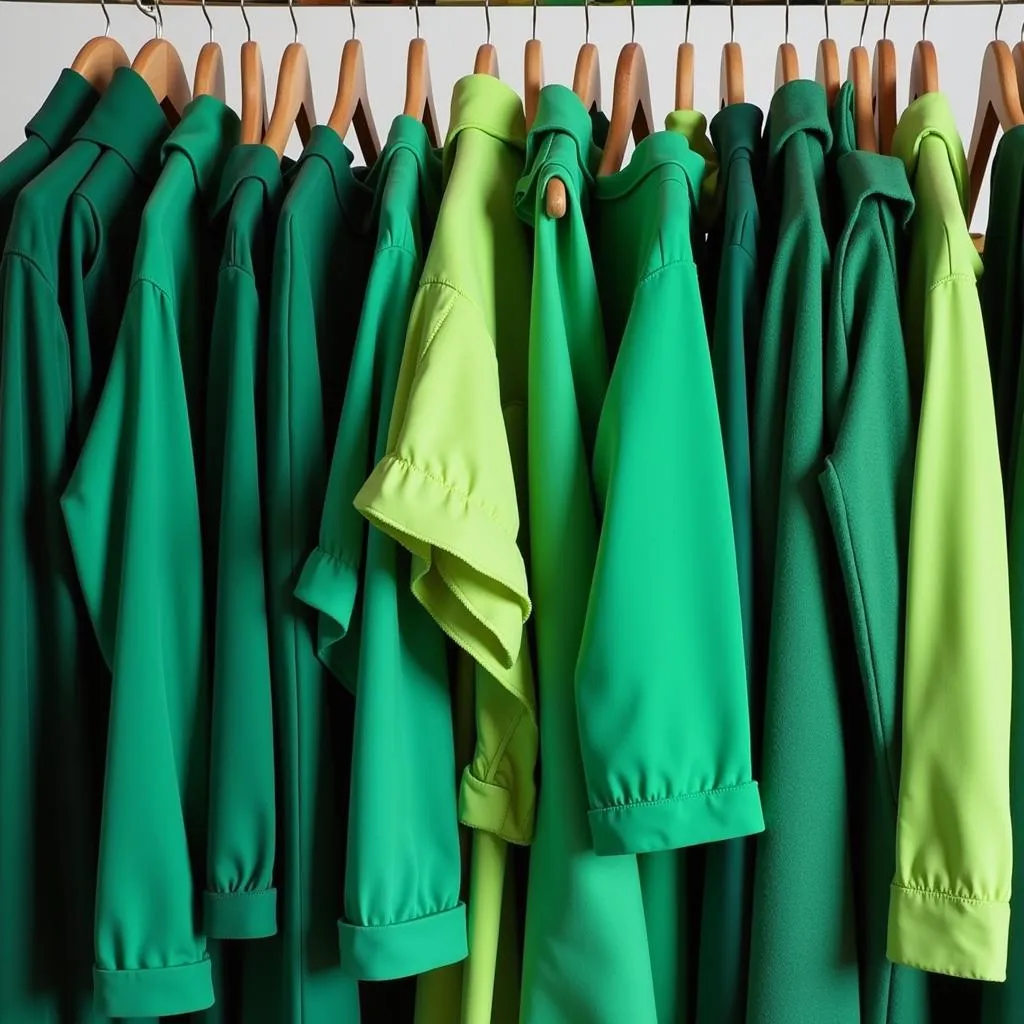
<point x="243" y="914"/>
<point x="385" y="952"/>
<point x="948" y="934"/>
<point x="154" y="991"/>
<point x="674" y="822"/>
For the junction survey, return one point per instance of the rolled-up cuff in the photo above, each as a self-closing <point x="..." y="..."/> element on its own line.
<point x="384" y="952"/>
<point x="245" y="914"/>
<point x="674" y="822"/>
<point x="154" y="991"/>
<point x="948" y="934"/>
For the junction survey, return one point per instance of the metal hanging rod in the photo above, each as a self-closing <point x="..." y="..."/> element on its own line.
<point x="557" y="3"/>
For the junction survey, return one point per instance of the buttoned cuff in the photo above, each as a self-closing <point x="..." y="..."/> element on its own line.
<point x="245" y="914"/>
<point x="673" y="822"/>
<point x="385" y="952"/>
<point x="155" y="991"/>
<point x="948" y="934"/>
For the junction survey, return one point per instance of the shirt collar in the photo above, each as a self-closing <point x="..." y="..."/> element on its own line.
<point x="206" y="134"/>
<point x="245" y="162"/>
<point x="736" y="130"/>
<point x="799" y="106"/>
<point x="489" y="105"/>
<point x="930" y="115"/>
<point x="844" y="129"/>
<point x="128" y="120"/>
<point x="870" y="174"/>
<point x="327" y="147"/>
<point x="63" y="111"/>
<point x="407" y="135"/>
<point x="657" y="150"/>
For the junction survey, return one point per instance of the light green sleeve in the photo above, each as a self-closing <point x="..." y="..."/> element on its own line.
<point x="949" y="907"/>
<point x="240" y="901"/>
<point x="132" y="513"/>
<point x="661" y="676"/>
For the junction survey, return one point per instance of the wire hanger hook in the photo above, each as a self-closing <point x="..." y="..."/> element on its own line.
<point x="245" y="18"/>
<point x="732" y="21"/>
<point x="999" y="18"/>
<point x="586" y="22"/>
<point x="206" y="15"/>
<point x="686" y="29"/>
<point x="828" y="35"/>
<point x="864" y="24"/>
<point x="632" y="21"/>
<point x="155" y="15"/>
<point x="786" y="38"/>
<point x="106" y="17"/>
<point x="885" y="22"/>
<point x="295" y="24"/>
<point x="487" y="20"/>
<point x="352" y="16"/>
<point x="534" y="29"/>
<point x="924" y="20"/>
<point x="416" y="12"/>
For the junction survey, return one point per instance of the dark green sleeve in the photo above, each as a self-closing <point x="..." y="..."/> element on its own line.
<point x="132" y="513"/>
<point x="240" y="900"/>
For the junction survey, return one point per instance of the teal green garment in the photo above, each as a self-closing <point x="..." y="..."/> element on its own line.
<point x="803" y="965"/>
<point x="63" y="281"/>
<point x="323" y="250"/>
<point x="403" y="914"/>
<point x="586" y="956"/>
<point x="1003" y="312"/>
<point x="733" y="285"/>
<point x="664" y="722"/>
<point x="866" y="483"/>
<point x="132" y="512"/>
<point x="240" y="901"/>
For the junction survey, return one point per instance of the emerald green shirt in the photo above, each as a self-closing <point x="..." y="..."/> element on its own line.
<point x="733" y="306"/>
<point x="403" y="914"/>
<point x="240" y="900"/>
<point x="949" y="907"/>
<point x="802" y="964"/>
<point x="323" y="249"/>
<point x="63" y="281"/>
<point x="132" y="512"/>
<point x="866" y="484"/>
<point x="586" y="955"/>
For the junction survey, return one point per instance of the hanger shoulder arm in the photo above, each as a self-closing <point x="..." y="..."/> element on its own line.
<point x="293" y="101"/>
<point x="730" y="78"/>
<point x="684" y="77"/>
<point x="159" y="63"/>
<point x="352" y="102"/>
<point x="631" y="107"/>
<point x="209" y="78"/>
<point x="883" y="93"/>
<point x="98" y="60"/>
<point x="859" y="72"/>
<point x="254" y="94"/>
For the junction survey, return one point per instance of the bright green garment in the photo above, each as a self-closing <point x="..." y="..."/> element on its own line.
<point x="733" y="305"/>
<point x="240" y="900"/>
<point x="949" y="906"/>
<point x="446" y="489"/>
<point x="586" y="955"/>
<point x="403" y="915"/>
<point x="132" y="512"/>
<point x="63" y="281"/>
<point x="1003" y="313"/>
<point x="323" y="248"/>
<point x="866" y="483"/>
<point x="802" y="962"/>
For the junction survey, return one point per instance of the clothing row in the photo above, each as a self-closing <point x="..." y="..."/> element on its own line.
<point x="401" y="588"/>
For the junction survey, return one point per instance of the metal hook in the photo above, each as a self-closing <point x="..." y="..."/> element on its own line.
<point x="786" y="39"/>
<point x="106" y="16"/>
<point x="245" y="18"/>
<point x="632" y="21"/>
<point x="732" y="21"/>
<point x="154" y="15"/>
<point x="295" y="24"/>
<point x="352" y="16"/>
<point x="924" y="20"/>
<point x="416" y="11"/>
<point x="206" y="15"/>
<point x="534" y="29"/>
<point x="487" y="19"/>
<point x="686" y="30"/>
<point x="999" y="18"/>
<point x="885" y="23"/>
<point x="586" y="22"/>
<point x="828" y="35"/>
<point x="864" y="24"/>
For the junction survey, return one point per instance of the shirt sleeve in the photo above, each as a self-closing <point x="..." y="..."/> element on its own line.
<point x="240" y="901"/>
<point x="949" y="906"/>
<point x="132" y="514"/>
<point x="661" y="676"/>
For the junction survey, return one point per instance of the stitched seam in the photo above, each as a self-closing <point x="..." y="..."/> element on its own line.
<point x="22" y="255"/>
<point x="669" y="799"/>
<point x="401" y="922"/>
<point x="685" y="261"/>
<point x="951" y="278"/>
<point x="949" y="896"/>
<point x="337" y="559"/>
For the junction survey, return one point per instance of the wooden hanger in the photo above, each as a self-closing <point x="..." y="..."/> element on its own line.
<point x="730" y="73"/>
<point x="883" y="87"/>
<point x="159" y="64"/>
<point x="684" y="67"/>
<point x="826" y="68"/>
<point x="924" y="66"/>
<point x="999" y="106"/>
<point x="486" y="62"/>
<point x="254" y="88"/>
<point x="858" y="71"/>
<point x="209" y="77"/>
<point x="631" y="107"/>
<point x="100" y="57"/>
<point x="352" y="102"/>
<point x="787" y="64"/>
<point x="293" y="101"/>
<point x="533" y="78"/>
<point x="419" y="92"/>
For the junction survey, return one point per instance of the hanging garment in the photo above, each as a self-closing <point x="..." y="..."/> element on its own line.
<point x="803" y="965"/>
<point x="63" y="279"/>
<point x="1000" y="291"/>
<point x="323" y="249"/>
<point x="866" y="483"/>
<point x="403" y="914"/>
<point x="733" y="309"/>
<point x="949" y="909"/>
<point x="586" y="955"/>
<point x="447" y="487"/>
<point x="240" y="901"/>
<point x="132" y="512"/>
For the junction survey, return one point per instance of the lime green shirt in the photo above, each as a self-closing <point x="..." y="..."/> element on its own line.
<point x="403" y="914"/>
<point x="802" y="925"/>
<point x="132" y="511"/>
<point x="949" y="907"/>
<point x="447" y="487"/>
<point x="63" y="280"/>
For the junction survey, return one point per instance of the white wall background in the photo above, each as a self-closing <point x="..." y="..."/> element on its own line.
<point x="38" y="39"/>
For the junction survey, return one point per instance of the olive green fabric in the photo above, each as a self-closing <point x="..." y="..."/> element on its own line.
<point x="63" y="280"/>
<point x="1003" y="313"/>
<point x="132" y="512"/>
<point x="733" y="309"/>
<point x="949" y="906"/>
<point x="323" y="249"/>
<point x="447" y="487"/>
<point x="240" y="901"/>
<point x="586" y="956"/>
<point x="803" y="964"/>
<point x="866" y="483"/>
<point x="403" y="915"/>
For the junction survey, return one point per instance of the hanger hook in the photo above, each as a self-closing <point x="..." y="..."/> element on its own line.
<point x="487" y="20"/>
<point x="828" y="35"/>
<point x="924" y="20"/>
<point x="786" y="40"/>
<point x="534" y="29"/>
<point x="732" y="21"/>
<point x="864" y="23"/>
<point x="352" y="16"/>
<point x="245" y="18"/>
<point x="885" y="23"/>
<point x="632" y="21"/>
<point x="586" y="22"/>
<point x="295" y="24"/>
<point x="686" y="30"/>
<point x="416" y="11"/>
<point x="106" y="17"/>
<point x="153" y="13"/>
<point x="206" y="15"/>
<point x="999" y="18"/>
